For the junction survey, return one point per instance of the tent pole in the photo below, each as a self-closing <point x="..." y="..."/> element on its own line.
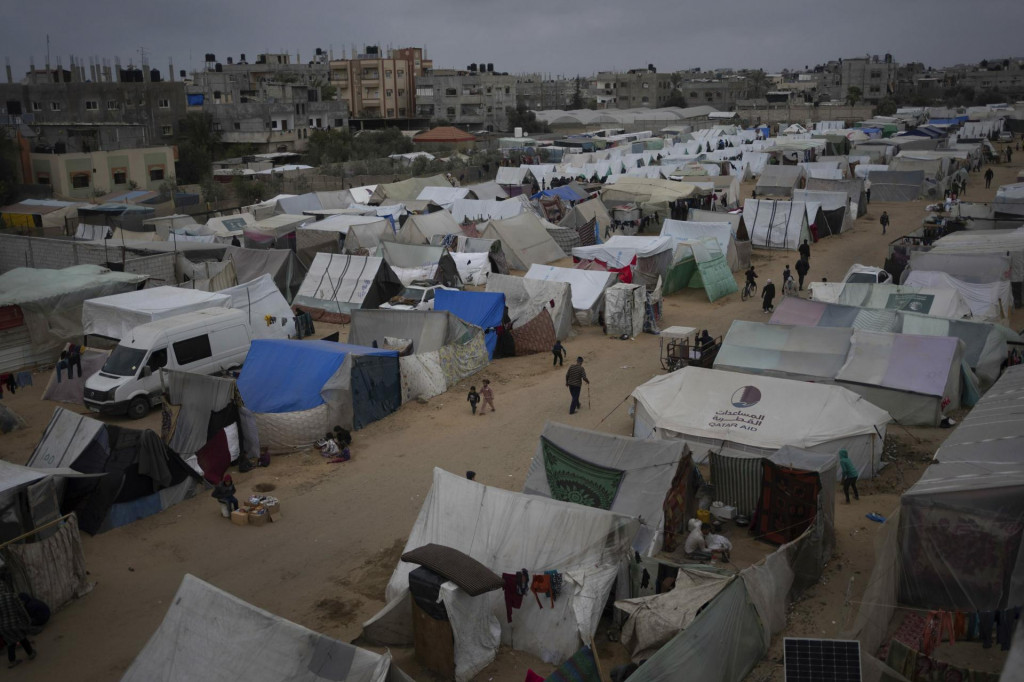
<point x="35" y="530"/>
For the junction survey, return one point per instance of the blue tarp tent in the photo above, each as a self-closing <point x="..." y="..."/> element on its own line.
<point x="565" y="192"/>
<point x="481" y="308"/>
<point x="359" y="385"/>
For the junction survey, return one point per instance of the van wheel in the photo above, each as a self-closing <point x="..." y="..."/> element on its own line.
<point x="138" y="408"/>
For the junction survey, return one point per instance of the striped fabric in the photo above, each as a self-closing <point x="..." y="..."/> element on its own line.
<point x="737" y="481"/>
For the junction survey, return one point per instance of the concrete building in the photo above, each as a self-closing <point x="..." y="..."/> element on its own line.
<point x="538" y="92"/>
<point x="636" y="88"/>
<point x="471" y="99"/>
<point x="271" y="103"/>
<point x="380" y="90"/>
<point x="719" y="91"/>
<point x="86" y="175"/>
<point x="875" y="77"/>
<point x="107" y="109"/>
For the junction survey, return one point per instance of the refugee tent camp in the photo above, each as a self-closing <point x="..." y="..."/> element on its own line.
<point x="991" y="302"/>
<point x="779" y="181"/>
<point x="281" y="264"/>
<point x="835" y="208"/>
<point x="437" y="349"/>
<point x="114" y="316"/>
<point x="585" y="212"/>
<point x="759" y="415"/>
<point x="412" y="262"/>
<point x="994" y="242"/>
<point x="916" y="379"/>
<point x="652" y="481"/>
<point x="479" y="308"/>
<point x="42" y="309"/>
<point x="269" y="315"/>
<point x="528" y="299"/>
<point x="974" y="268"/>
<point x="298" y="390"/>
<point x="406" y="190"/>
<point x="506" y="531"/>
<point x="853" y="187"/>
<point x="363" y="239"/>
<point x="338" y="283"/>
<point x="985" y="344"/>
<point x="445" y="196"/>
<point x="192" y="643"/>
<point x="651" y="195"/>
<point x="776" y="224"/>
<point x="741" y="238"/>
<point x="479" y="211"/>
<point x="625" y="307"/>
<point x="524" y="239"/>
<point x="138" y="475"/>
<point x="587" y="288"/>
<point x="933" y="301"/>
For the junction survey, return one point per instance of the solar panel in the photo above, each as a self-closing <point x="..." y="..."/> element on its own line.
<point x="822" y="660"/>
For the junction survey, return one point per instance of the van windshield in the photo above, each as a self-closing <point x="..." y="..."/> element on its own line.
<point x="124" y="361"/>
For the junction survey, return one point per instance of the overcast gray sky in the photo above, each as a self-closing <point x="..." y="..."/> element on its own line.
<point x="548" y="36"/>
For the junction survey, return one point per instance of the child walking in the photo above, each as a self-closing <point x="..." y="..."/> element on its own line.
<point x="488" y="396"/>
<point x="473" y="398"/>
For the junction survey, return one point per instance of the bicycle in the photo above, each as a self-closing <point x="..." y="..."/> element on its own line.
<point x="789" y="288"/>
<point x="749" y="291"/>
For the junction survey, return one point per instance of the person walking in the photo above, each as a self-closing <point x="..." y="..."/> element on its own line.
<point x="558" y="353"/>
<point x="574" y="378"/>
<point x="867" y="191"/>
<point x="14" y="627"/>
<point x="850" y="476"/>
<point x="805" y="251"/>
<point x="488" y="396"/>
<point x="802" y="267"/>
<point x="884" y="221"/>
<point x="473" y="398"/>
<point x="768" y="296"/>
<point x="988" y="178"/>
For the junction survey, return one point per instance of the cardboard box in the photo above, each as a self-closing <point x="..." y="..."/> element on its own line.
<point x="259" y="519"/>
<point x="240" y="518"/>
<point x="274" y="509"/>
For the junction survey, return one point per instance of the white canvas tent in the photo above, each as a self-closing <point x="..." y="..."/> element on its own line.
<point x="527" y="298"/>
<point x="587" y="288"/>
<point x="776" y="224"/>
<point x="482" y="210"/>
<point x="624" y="309"/>
<point x="525" y="241"/>
<point x="209" y="635"/>
<point x="445" y="196"/>
<point x="759" y="414"/>
<point x="505" y="531"/>
<point x="338" y="283"/>
<point x="991" y="302"/>
<point x="834" y="205"/>
<point x="689" y="231"/>
<point x="420" y="229"/>
<point x="115" y="316"/>
<point x="779" y="181"/>
<point x="258" y="299"/>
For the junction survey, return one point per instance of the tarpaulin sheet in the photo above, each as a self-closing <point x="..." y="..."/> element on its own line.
<point x="275" y="378"/>
<point x="483" y="309"/>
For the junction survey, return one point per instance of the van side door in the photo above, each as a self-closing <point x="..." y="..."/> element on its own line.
<point x="191" y="353"/>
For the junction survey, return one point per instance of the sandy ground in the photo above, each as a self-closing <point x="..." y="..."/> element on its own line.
<point x="326" y="562"/>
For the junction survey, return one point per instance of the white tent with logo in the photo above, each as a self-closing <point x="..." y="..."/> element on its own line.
<point x="989" y="302"/>
<point x="209" y="635"/>
<point x="587" y="287"/>
<point x="506" y="531"/>
<point x="759" y="414"/>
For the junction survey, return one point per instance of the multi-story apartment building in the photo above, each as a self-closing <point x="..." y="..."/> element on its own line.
<point x="540" y="92"/>
<point x="271" y="104"/>
<point x="471" y="98"/>
<point x="107" y="108"/>
<point x="875" y="77"/>
<point x="378" y="88"/>
<point x="634" y="89"/>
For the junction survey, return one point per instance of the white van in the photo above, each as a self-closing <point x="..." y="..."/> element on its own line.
<point x="204" y="342"/>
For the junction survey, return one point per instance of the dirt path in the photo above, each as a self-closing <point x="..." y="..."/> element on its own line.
<point x="326" y="562"/>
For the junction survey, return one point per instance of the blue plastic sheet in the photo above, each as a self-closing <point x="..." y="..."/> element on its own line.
<point x="483" y="309"/>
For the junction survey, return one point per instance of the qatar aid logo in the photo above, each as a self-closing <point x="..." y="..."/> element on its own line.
<point x="746" y="396"/>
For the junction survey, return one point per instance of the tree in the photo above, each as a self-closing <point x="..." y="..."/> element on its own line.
<point x="887" y="107"/>
<point x="853" y="95"/>
<point x="199" y="144"/>
<point x="577" y="96"/>
<point x="521" y="117"/>
<point x="675" y="99"/>
<point x="8" y="169"/>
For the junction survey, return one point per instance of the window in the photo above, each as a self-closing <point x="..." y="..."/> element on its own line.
<point x="119" y="176"/>
<point x="391" y="113"/>
<point x="238" y="126"/>
<point x="54" y="106"/>
<point x="401" y="73"/>
<point x="645" y="99"/>
<point x="273" y="125"/>
<point x="111" y="105"/>
<point x="166" y="131"/>
<point x="401" y="112"/>
<point x="401" y="92"/>
<point x="387" y="73"/>
<point x="192" y="350"/>
<point x="164" y="103"/>
<point x="43" y="178"/>
<point x="339" y="123"/>
<point x="36" y="106"/>
<point x="319" y="123"/>
<point x="91" y="105"/>
<point x="646" y="86"/>
<point x="156" y="173"/>
<point x="389" y="93"/>
<point x="451" y="92"/>
<point x="80" y="180"/>
<point x="157" y="359"/>
<point x="451" y="111"/>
